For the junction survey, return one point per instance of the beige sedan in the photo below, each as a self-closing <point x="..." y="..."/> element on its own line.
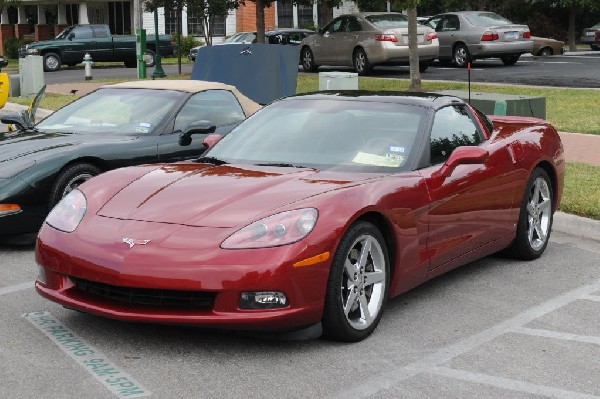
<point x="543" y="46"/>
<point x="365" y="40"/>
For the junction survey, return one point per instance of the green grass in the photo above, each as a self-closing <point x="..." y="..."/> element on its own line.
<point x="581" y="194"/>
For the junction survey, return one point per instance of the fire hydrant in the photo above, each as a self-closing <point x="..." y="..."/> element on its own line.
<point x="87" y="62"/>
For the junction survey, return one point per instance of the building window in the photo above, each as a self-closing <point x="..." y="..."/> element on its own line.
<point x="170" y="21"/>
<point x="195" y="28"/>
<point x="119" y="17"/>
<point x="305" y="16"/>
<point x="218" y="27"/>
<point x="285" y="14"/>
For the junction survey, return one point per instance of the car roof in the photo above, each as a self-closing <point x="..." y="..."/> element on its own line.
<point x="427" y="100"/>
<point x="190" y="86"/>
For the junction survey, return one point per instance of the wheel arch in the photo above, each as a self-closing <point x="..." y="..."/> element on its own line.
<point x="549" y="169"/>
<point x="383" y="225"/>
<point x="56" y="51"/>
<point x="97" y="162"/>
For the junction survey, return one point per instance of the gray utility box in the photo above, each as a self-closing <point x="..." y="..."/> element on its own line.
<point x="338" y="81"/>
<point x="14" y="86"/>
<point x="503" y="104"/>
<point x="31" y="72"/>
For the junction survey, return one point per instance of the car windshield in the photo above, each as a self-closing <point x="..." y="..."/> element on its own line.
<point x="384" y="21"/>
<point x="346" y="135"/>
<point x="487" y="19"/>
<point x="114" y="111"/>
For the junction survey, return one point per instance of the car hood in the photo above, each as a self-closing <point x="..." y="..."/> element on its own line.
<point x="42" y="43"/>
<point x="219" y="196"/>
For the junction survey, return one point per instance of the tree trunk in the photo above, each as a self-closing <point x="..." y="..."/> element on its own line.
<point x="572" y="15"/>
<point x="413" y="50"/>
<point x="260" y="21"/>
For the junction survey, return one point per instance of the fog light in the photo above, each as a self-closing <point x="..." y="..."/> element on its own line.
<point x="42" y="275"/>
<point x="263" y="300"/>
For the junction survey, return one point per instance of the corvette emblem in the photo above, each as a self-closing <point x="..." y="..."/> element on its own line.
<point x="246" y="51"/>
<point x="131" y="242"/>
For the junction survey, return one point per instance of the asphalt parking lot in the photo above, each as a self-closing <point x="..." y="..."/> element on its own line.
<point x="496" y="328"/>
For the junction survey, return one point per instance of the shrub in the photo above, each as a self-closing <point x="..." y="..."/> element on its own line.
<point x="187" y="42"/>
<point x="11" y="46"/>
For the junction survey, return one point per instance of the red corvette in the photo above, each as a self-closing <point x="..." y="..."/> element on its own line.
<point x="310" y="214"/>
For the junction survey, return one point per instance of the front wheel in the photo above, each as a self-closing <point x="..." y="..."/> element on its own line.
<point x="358" y="283"/>
<point x="52" y="62"/>
<point x="308" y="60"/>
<point x="510" y="60"/>
<point x="535" y="218"/>
<point x="70" y="178"/>
<point x="149" y="58"/>
<point x="545" y="52"/>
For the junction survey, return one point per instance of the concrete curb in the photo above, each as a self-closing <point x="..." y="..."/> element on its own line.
<point x="577" y="226"/>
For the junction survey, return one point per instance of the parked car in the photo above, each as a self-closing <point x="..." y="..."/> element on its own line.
<point x="286" y="36"/>
<point x="309" y="214"/>
<point x="543" y="46"/>
<point x="469" y="35"/>
<point x="71" y="45"/>
<point x="591" y="36"/>
<point x="366" y="40"/>
<point x="118" y="125"/>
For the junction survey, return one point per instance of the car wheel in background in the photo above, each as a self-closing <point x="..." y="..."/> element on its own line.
<point x="361" y="63"/>
<point x="52" y="62"/>
<point x="461" y="55"/>
<point x="545" y="52"/>
<point x="70" y="178"/>
<point x="308" y="60"/>
<point x="595" y="46"/>
<point x="423" y="66"/>
<point x="358" y="284"/>
<point x="535" y="218"/>
<point x="510" y="60"/>
<point x="149" y="57"/>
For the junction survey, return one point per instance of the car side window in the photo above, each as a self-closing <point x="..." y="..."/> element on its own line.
<point x="335" y="26"/>
<point x="450" y="23"/>
<point x="434" y="22"/>
<point x="99" y="31"/>
<point x="83" y="32"/>
<point x="452" y="127"/>
<point x="218" y="106"/>
<point x="353" y="25"/>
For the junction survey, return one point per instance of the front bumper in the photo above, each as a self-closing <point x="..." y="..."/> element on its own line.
<point x="179" y="258"/>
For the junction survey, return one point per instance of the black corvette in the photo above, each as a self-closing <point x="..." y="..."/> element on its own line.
<point x="119" y="125"/>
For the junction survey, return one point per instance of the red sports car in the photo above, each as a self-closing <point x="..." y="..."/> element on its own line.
<point x="309" y="214"/>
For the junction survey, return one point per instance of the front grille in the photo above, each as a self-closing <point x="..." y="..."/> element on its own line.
<point x="147" y="296"/>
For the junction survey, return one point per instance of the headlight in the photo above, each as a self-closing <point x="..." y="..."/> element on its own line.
<point x="280" y="229"/>
<point x="67" y="214"/>
<point x="33" y="51"/>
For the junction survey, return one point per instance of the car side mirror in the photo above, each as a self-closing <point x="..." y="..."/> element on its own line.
<point x="198" y="127"/>
<point x="71" y="36"/>
<point x="14" y="119"/>
<point x="462" y="156"/>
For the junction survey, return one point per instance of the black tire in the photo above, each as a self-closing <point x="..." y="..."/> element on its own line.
<point x="361" y="63"/>
<point x="535" y="218"/>
<point x="510" y="60"/>
<point x="150" y="57"/>
<point x="354" y="287"/>
<point x="71" y="177"/>
<point x="461" y="55"/>
<point x="308" y="60"/>
<point x="595" y="46"/>
<point x="423" y="66"/>
<point x="52" y="62"/>
<point x="545" y="52"/>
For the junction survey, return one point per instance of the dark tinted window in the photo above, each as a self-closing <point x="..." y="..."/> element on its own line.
<point x="452" y="127"/>
<point x="99" y="31"/>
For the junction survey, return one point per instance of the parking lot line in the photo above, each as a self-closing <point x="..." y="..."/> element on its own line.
<point x="17" y="287"/>
<point x="93" y="361"/>
<point x="377" y="383"/>
<point x="557" y="335"/>
<point x="509" y="384"/>
<point x="594" y="298"/>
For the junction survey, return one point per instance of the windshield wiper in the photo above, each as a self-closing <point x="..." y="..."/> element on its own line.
<point x="281" y="164"/>
<point x="212" y="160"/>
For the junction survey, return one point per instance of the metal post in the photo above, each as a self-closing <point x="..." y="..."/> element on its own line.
<point x="158" y="71"/>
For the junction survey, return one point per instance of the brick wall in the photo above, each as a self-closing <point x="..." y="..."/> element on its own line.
<point x="246" y="17"/>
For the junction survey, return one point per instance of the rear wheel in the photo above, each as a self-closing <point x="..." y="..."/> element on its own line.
<point x="149" y="57"/>
<point x="52" y="62"/>
<point x="461" y="55"/>
<point x="70" y="178"/>
<point x="358" y="283"/>
<point x="510" y="60"/>
<point x="361" y="62"/>
<point x="308" y="60"/>
<point x="535" y="218"/>
<point x="423" y="66"/>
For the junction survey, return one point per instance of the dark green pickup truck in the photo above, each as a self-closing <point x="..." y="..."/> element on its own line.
<point x="71" y="45"/>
